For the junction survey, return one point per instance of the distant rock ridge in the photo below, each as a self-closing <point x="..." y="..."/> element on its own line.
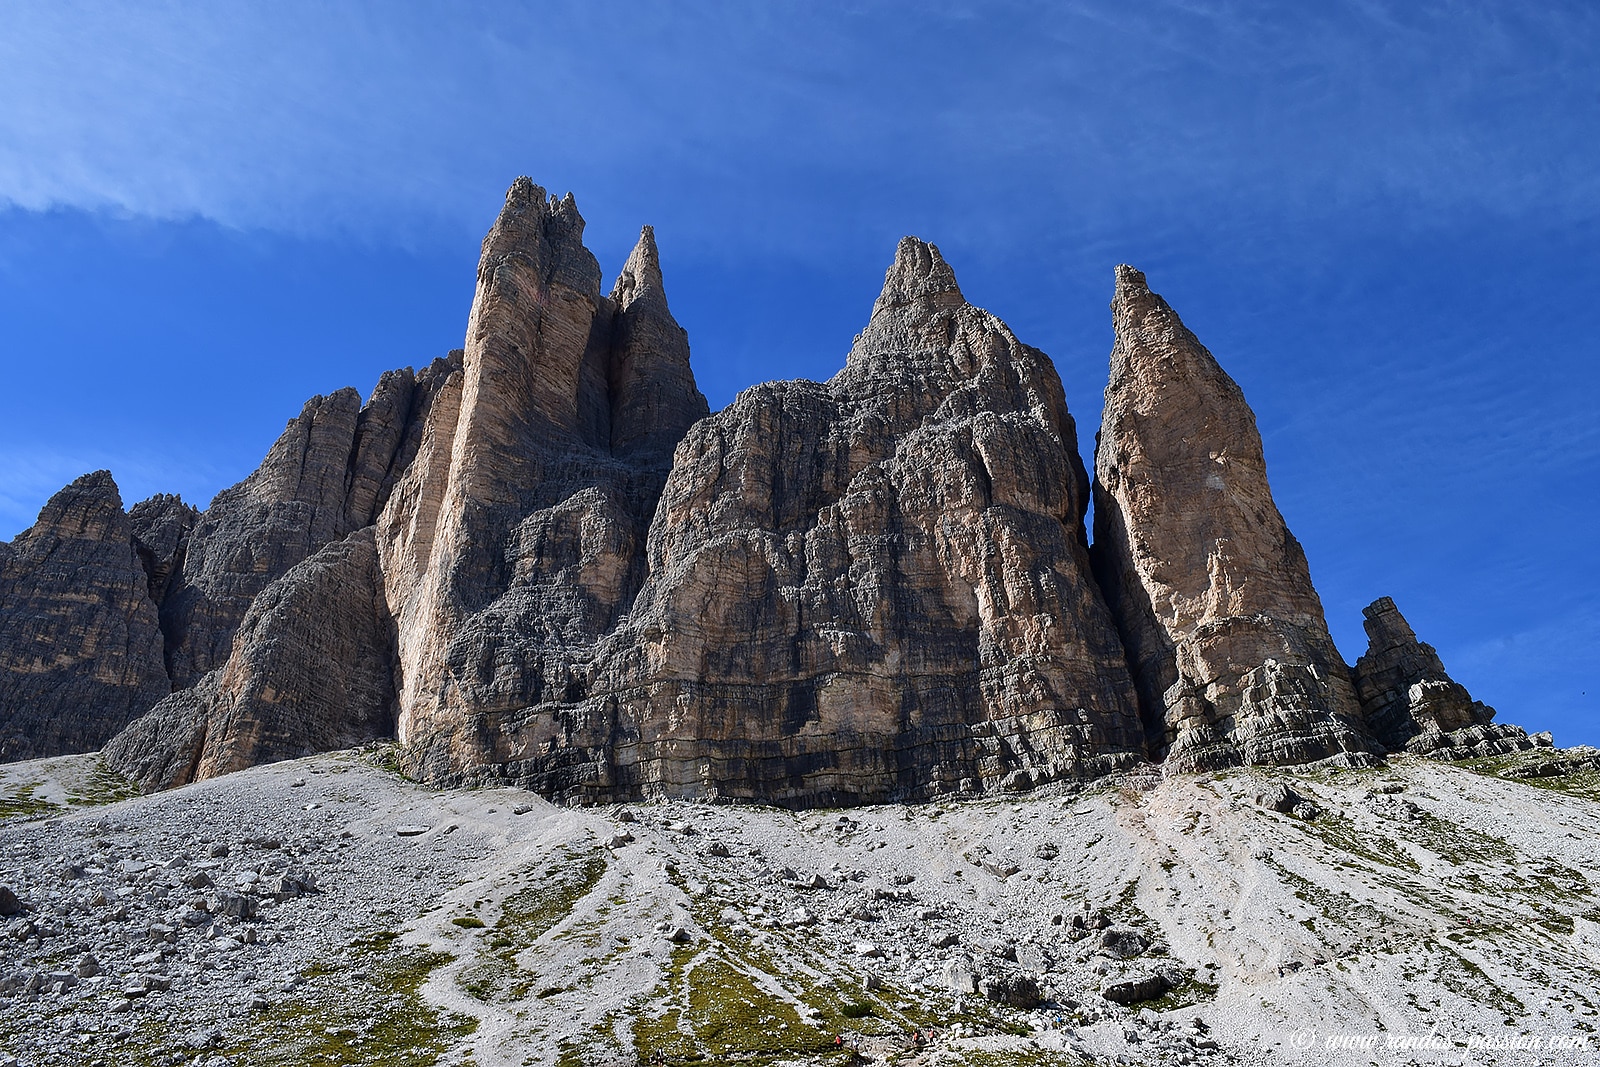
<point x="542" y="561"/>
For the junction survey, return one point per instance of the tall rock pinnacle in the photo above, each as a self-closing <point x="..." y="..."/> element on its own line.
<point x="542" y="562"/>
<point x="654" y="399"/>
<point x="517" y="538"/>
<point x="1211" y="591"/>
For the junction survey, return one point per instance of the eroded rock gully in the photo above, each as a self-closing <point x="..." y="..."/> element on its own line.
<point x="543" y="561"/>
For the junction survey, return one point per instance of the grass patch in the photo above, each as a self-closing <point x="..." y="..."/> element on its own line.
<point x="382" y="1023"/>
<point x="469" y="922"/>
<point x="715" y="1010"/>
<point x="525" y="916"/>
<point x="22" y="804"/>
<point x="103" y="786"/>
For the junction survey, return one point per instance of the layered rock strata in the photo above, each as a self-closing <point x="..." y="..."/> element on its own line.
<point x="80" y="643"/>
<point x="328" y="474"/>
<point x="542" y="561"/>
<point x="1412" y="705"/>
<point x="868" y="588"/>
<point x="1212" y="594"/>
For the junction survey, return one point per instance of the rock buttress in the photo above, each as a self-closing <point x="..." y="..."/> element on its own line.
<point x="327" y="475"/>
<point x="80" y="643"/>
<point x="1212" y="593"/>
<point x="311" y="670"/>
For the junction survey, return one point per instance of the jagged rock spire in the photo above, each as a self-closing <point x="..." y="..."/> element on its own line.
<point x="640" y="278"/>
<point x="918" y="274"/>
<point x="1211" y="591"/>
<point x="1411" y="704"/>
<point x="654" y="399"/>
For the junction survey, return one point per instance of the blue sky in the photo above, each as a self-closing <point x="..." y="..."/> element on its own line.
<point x="1382" y="218"/>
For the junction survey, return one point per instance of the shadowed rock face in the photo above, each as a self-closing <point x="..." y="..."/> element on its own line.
<point x="80" y="647"/>
<point x="1412" y="705"/>
<point x="161" y="528"/>
<point x="311" y="670"/>
<point x="326" y="476"/>
<point x="1212" y="594"/>
<point x="870" y="588"/>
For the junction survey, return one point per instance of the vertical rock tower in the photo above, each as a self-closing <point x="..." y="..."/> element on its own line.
<point x="517" y="538"/>
<point x="1225" y="634"/>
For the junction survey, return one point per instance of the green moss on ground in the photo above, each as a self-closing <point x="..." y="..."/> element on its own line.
<point x="526" y="915"/>
<point x="21" y="803"/>
<point x="379" y="1021"/>
<point x="103" y="786"/>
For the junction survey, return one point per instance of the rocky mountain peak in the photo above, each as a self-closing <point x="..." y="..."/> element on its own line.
<point x="1212" y="593"/>
<point x="641" y="274"/>
<point x="544" y="233"/>
<point x="87" y="508"/>
<point x="542" y="561"/>
<point x="80" y="645"/>
<point x="1412" y="704"/>
<point x="918" y="275"/>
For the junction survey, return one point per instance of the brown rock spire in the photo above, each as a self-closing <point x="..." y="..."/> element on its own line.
<point x="654" y="399"/>
<point x="1211" y="591"/>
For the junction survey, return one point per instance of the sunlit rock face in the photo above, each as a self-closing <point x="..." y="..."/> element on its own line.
<point x="1211" y="592"/>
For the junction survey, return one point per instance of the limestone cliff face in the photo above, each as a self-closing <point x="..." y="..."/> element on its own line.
<point x="516" y="539"/>
<point x="1224" y="631"/>
<point x="1412" y="705"/>
<point x="80" y="646"/>
<point x="875" y="587"/>
<point x="311" y="670"/>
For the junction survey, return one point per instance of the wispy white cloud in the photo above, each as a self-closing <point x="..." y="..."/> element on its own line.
<point x="368" y="116"/>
